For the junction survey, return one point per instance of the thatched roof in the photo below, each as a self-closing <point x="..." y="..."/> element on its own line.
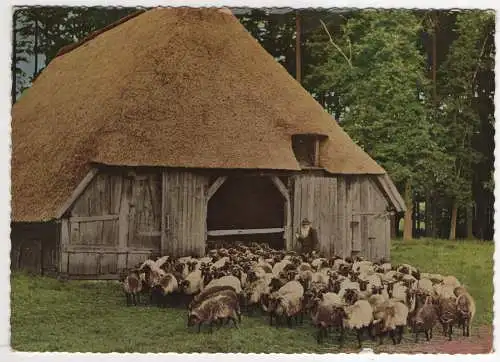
<point x="178" y="87"/>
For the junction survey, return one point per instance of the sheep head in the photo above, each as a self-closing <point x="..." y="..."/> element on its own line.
<point x="351" y="296"/>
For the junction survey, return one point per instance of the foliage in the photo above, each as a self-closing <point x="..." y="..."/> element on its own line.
<point x="458" y="88"/>
<point x="49" y="315"/>
<point x="383" y="93"/>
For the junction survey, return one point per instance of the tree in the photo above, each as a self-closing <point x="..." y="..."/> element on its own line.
<point x="379" y="76"/>
<point x="459" y="88"/>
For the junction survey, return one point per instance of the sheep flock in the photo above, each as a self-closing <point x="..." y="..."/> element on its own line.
<point x="339" y="295"/>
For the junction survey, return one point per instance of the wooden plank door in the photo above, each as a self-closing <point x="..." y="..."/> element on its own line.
<point x="185" y="212"/>
<point x="145" y="213"/>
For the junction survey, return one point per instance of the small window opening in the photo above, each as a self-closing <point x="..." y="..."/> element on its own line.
<point x="306" y="150"/>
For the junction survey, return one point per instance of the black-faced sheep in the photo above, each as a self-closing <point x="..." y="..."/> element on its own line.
<point x="359" y="318"/>
<point x="390" y="317"/>
<point x="325" y="314"/>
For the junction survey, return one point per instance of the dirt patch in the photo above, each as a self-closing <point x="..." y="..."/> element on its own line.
<point x="480" y="342"/>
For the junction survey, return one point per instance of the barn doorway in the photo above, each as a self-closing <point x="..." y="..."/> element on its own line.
<point x="246" y="208"/>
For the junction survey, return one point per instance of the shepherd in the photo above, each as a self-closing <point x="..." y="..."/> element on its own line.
<point x="307" y="237"/>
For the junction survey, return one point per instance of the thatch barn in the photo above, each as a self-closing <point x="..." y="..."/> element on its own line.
<point x="174" y="127"/>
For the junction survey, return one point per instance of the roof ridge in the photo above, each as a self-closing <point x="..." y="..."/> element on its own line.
<point x="70" y="47"/>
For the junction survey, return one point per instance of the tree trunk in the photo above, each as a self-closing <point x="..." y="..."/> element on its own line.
<point x="393" y="226"/>
<point x="415" y="219"/>
<point x="428" y="216"/>
<point x="453" y="226"/>
<point x="408" y="222"/>
<point x="470" y="218"/>
<point x="35" y="47"/>
<point x="13" y="66"/>
<point x="298" y="57"/>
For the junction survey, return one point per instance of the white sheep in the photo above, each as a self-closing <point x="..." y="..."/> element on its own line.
<point x="192" y="283"/>
<point x="399" y="291"/>
<point x="425" y="285"/>
<point x="451" y="281"/>
<point x="278" y="267"/>
<point x="363" y="267"/>
<point x="391" y="317"/>
<point x="221" y="262"/>
<point x="444" y="291"/>
<point x="320" y="277"/>
<point x="359" y="317"/>
<point x="229" y="280"/>
<point x="317" y="263"/>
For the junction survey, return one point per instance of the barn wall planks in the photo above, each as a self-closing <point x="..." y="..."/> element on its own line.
<point x="315" y="198"/>
<point x="186" y="210"/>
<point x="34" y="247"/>
<point x="370" y="222"/>
<point x="349" y="213"/>
<point x="113" y="225"/>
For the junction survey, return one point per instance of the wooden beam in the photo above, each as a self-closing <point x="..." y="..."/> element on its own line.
<point x="93" y="218"/>
<point x="316" y="152"/>
<point x="392" y="192"/>
<point x="244" y="231"/>
<point x="164" y="196"/>
<point x="77" y="192"/>
<point x="123" y="222"/>
<point x="281" y="187"/>
<point x="65" y="238"/>
<point x="215" y="186"/>
<point x="149" y="233"/>
<point x="288" y="211"/>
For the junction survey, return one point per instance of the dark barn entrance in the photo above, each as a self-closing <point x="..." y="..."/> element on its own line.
<point x="247" y="208"/>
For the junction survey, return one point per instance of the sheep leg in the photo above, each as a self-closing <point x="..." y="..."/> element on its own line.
<point x="199" y="327"/>
<point x="234" y="322"/>
<point x="391" y="333"/>
<point x="468" y="327"/>
<point x="319" y="336"/>
<point x="450" y="331"/>
<point x="211" y="327"/>
<point x="427" y="335"/>
<point x="416" y="337"/>
<point x="371" y="332"/>
<point x="431" y="332"/>
<point x="358" y="335"/>
<point x="341" y="337"/>
<point x="270" y="319"/>
<point x="400" y="334"/>
<point x="289" y="321"/>
<point x="381" y="339"/>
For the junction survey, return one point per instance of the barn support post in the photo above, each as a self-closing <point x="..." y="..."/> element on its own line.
<point x="64" y="255"/>
<point x="164" y="215"/>
<point x="287" y="235"/>
<point x="212" y="189"/>
<point x="123" y="224"/>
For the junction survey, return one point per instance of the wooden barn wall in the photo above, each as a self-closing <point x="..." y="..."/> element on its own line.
<point x="316" y="198"/>
<point x="185" y="208"/>
<point x="113" y="225"/>
<point x="349" y="213"/>
<point x="369" y="231"/>
<point x="34" y="247"/>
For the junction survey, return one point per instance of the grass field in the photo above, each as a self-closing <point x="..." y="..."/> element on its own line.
<point x="49" y="315"/>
